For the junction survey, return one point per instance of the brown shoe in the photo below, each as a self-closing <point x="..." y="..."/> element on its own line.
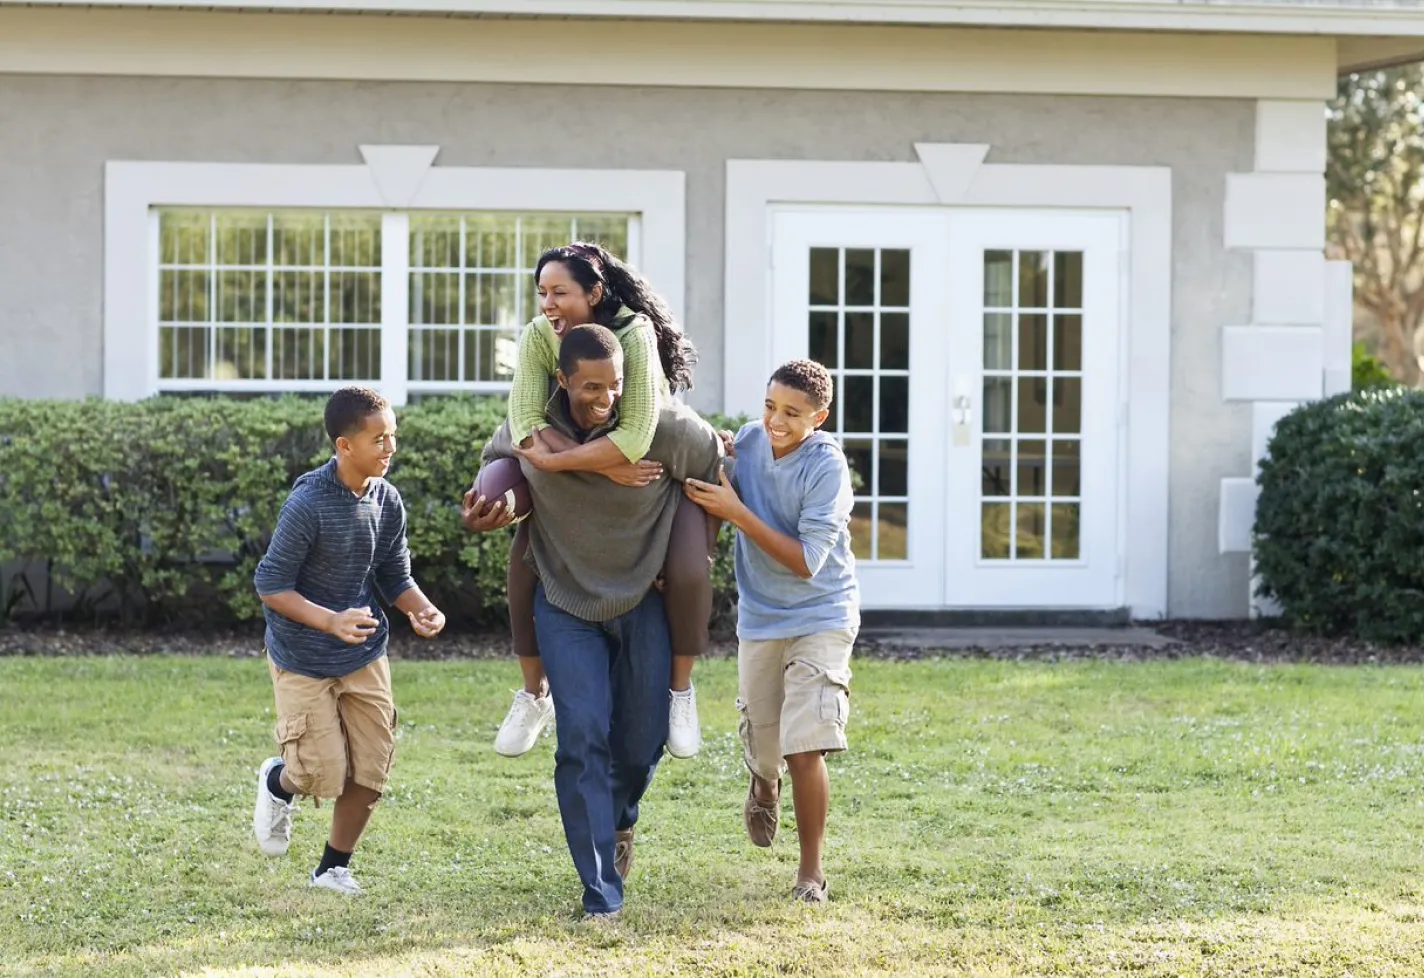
<point x="760" y="820"/>
<point x="805" y="892"/>
<point x="623" y="852"/>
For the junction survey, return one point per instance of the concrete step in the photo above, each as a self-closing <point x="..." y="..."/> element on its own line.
<point x="951" y="638"/>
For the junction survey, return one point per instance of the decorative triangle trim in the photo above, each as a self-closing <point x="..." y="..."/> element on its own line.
<point x="398" y="171"/>
<point x="951" y="167"/>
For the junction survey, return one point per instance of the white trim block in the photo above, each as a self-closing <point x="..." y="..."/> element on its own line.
<point x="1236" y="516"/>
<point x="1275" y="210"/>
<point x="1338" y="335"/>
<point x="1290" y="137"/>
<point x="1264" y="415"/>
<point x="1286" y="288"/>
<point x="1271" y="363"/>
<point x="398" y="170"/>
<point x="951" y="167"/>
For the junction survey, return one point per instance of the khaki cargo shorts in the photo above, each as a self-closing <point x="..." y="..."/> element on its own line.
<point x="793" y="697"/>
<point x="332" y="729"/>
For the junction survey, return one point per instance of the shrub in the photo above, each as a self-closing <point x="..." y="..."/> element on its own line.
<point x="1339" y="532"/>
<point x="1367" y="371"/>
<point x="160" y="510"/>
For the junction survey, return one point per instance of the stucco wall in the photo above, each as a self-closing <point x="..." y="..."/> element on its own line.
<point x="59" y="131"/>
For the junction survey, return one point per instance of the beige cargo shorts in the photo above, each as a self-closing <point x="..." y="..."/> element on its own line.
<point x="332" y="729"/>
<point x="793" y="697"/>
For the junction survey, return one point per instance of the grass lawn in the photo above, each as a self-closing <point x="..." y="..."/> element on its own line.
<point x="1173" y="818"/>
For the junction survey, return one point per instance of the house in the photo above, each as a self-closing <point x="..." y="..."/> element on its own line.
<point x="1063" y="256"/>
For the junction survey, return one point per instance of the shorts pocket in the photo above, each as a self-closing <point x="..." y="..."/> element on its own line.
<point x="391" y="751"/>
<point x="290" y="731"/>
<point x="834" y="706"/>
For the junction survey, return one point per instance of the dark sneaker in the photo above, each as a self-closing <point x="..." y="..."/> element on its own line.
<point x="623" y="852"/>
<point x="805" y="892"/>
<point x="761" y="820"/>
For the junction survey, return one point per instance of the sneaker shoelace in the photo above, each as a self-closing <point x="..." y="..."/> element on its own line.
<point x="279" y="814"/>
<point x="682" y="712"/>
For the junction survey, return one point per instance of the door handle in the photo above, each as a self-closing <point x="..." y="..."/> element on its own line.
<point x="963" y="410"/>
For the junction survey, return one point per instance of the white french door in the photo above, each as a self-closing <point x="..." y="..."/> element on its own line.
<point x="860" y="292"/>
<point x="975" y="355"/>
<point x="1033" y="376"/>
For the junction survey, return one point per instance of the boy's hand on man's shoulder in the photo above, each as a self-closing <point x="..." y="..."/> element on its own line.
<point x="729" y="442"/>
<point x="719" y="500"/>
<point x="353" y="626"/>
<point x="428" y="622"/>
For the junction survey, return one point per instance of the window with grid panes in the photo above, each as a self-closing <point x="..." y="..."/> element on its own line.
<point x="283" y="296"/>
<point x="293" y="298"/>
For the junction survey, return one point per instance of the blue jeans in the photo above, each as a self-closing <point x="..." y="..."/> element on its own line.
<point x="609" y="681"/>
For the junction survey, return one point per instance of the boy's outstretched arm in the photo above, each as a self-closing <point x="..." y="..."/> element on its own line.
<point x="723" y="502"/>
<point x="426" y="619"/>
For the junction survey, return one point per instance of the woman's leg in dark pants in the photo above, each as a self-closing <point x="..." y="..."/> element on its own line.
<point x="687" y="573"/>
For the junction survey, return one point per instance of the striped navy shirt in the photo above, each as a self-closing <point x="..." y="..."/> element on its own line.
<point x="335" y="549"/>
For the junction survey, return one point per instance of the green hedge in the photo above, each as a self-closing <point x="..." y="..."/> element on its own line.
<point x="1339" y="531"/>
<point x="159" y="511"/>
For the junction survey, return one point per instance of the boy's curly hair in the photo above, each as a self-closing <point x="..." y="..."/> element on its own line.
<point x="808" y="377"/>
<point x="348" y="409"/>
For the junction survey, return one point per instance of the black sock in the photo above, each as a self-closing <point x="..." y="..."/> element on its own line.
<point x="274" y="784"/>
<point x="332" y="857"/>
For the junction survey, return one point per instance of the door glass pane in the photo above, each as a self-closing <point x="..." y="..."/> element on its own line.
<point x="860" y="340"/>
<point x="1066" y="475"/>
<point x="1033" y="341"/>
<point x="1068" y="280"/>
<point x="998" y="341"/>
<point x="894" y="404"/>
<point x="859" y="404"/>
<point x="1033" y="391"/>
<point x="894" y="341"/>
<point x="1033" y="279"/>
<point x="894" y="468"/>
<point x="824" y="345"/>
<point x="895" y="277"/>
<point x="994" y="534"/>
<point x="1031" y="472"/>
<point x="858" y="326"/>
<point x="997" y="477"/>
<point x="1068" y="341"/>
<point x="1032" y="524"/>
<point x="1067" y="405"/>
<point x="890" y="530"/>
<point x="860" y="276"/>
<point x="825" y="276"/>
<point x="998" y="404"/>
<point x="1064" y="542"/>
<point x="860" y="457"/>
<point x="1033" y="405"/>
<point x="998" y="279"/>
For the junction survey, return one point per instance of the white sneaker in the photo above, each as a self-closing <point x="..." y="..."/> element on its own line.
<point x="684" y="730"/>
<point x="271" y="817"/>
<point x="526" y="719"/>
<point x="338" y="879"/>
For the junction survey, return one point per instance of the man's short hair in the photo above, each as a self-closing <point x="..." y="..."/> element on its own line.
<point x="590" y="342"/>
<point x="348" y="409"/>
<point x="808" y="377"/>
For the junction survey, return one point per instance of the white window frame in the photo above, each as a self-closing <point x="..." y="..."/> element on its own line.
<point x="955" y="175"/>
<point x="396" y="180"/>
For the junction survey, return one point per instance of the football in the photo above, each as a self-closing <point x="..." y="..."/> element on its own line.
<point x="502" y="479"/>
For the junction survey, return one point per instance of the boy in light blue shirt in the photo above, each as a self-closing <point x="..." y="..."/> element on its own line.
<point x="798" y="608"/>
